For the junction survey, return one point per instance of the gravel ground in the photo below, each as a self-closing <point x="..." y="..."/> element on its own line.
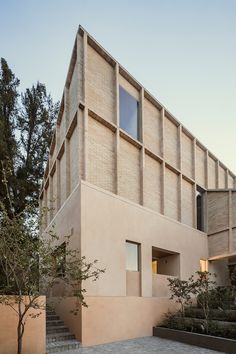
<point x="151" y="345"/>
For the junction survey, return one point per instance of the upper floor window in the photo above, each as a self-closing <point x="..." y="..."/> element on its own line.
<point x="129" y="113"/>
<point x="200" y="208"/>
<point x="132" y="256"/>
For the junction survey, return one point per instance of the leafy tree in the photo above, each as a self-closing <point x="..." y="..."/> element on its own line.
<point x="8" y="116"/>
<point x="181" y="291"/>
<point x="35" y="124"/>
<point x="26" y="128"/>
<point x="202" y="288"/>
<point x="31" y="266"/>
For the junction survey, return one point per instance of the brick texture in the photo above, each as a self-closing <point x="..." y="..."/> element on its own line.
<point x="171" y="146"/>
<point x="171" y="194"/>
<point x="218" y="243"/>
<point x="62" y="165"/>
<point x="152" y="127"/>
<point x="152" y="184"/>
<point x="187" y="201"/>
<point x="187" y="155"/>
<point x="129" y="171"/>
<point x="200" y="166"/>
<point x="74" y="159"/>
<point x="101" y="159"/>
<point x="73" y="94"/>
<point x="100" y="85"/>
<point x="211" y="173"/>
<point x="222" y="174"/>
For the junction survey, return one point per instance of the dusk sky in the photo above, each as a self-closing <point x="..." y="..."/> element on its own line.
<point x="182" y="51"/>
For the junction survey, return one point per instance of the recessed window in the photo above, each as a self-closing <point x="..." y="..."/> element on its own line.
<point x="154" y="266"/>
<point x="200" y="208"/>
<point x="203" y="265"/>
<point x="129" y="115"/>
<point x="132" y="256"/>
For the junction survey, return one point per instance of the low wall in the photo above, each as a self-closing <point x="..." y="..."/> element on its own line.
<point x="109" y="319"/>
<point x="34" y="340"/>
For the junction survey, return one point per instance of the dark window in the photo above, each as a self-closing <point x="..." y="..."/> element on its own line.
<point x="200" y="208"/>
<point x="129" y="116"/>
<point x="132" y="256"/>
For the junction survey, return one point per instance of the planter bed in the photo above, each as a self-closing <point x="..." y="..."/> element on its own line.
<point x="220" y="344"/>
<point x="215" y="314"/>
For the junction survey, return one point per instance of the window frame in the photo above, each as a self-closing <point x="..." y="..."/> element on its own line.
<point x="138" y="137"/>
<point x="138" y="256"/>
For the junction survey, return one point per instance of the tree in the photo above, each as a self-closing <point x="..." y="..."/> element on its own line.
<point x="202" y="288"/>
<point x="35" y="124"/>
<point x="31" y="266"/>
<point x="26" y="127"/>
<point x="181" y="291"/>
<point x="8" y="114"/>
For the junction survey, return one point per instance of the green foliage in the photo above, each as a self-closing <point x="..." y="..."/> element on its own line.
<point x="202" y="289"/>
<point x="26" y="128"/>
<point x="8" y="117"/>
<point x="220" y="297"/>
<point x="181" y="291"/>
<point x="232" y="274"/>
<point x="30" y="264"/>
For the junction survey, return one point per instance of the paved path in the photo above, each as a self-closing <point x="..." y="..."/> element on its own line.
<point x="146" y="345"/>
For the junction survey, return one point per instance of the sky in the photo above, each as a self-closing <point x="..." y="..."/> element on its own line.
<point x="182" y="51"/>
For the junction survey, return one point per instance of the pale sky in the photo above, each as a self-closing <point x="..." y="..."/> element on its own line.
<point x="182" y="51"/>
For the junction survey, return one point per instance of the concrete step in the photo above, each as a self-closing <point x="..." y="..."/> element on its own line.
<point x="52" y="318"/>
<point x="57" y="329"/>
<point x="59" y="337"/>
<point x="62" y="346"/>
<point x="54" y="323"/>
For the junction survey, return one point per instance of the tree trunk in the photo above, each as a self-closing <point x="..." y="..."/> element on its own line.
<point x="20" y="332"/>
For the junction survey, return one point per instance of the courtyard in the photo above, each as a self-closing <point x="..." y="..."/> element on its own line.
<point x="151" y="345"/>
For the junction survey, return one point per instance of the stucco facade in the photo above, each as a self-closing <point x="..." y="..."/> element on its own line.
<point x="106" y="186"/>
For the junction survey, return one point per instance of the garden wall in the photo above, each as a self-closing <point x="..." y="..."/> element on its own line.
<point x="34" y="340"/>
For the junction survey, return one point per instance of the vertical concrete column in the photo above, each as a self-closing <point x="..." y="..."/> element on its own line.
<point x="146" y="273"/>
<point x="85" y="132"/>
<point x="142" y="152"/>
<point x="163" y="163"/>
<point x="231" y="241"/>
<point x="58" y="177"/>
<point x="51" y="198"/>
<point x="194" y="159"/>
<point x="162" y="132"/>
<point x="180" y="147"/>
<point x="180" y="175"/>
<point x="206" y="168"/>
<point x="67" y="142"/>
<point x="218" y="174"/>
<point x="117" y="134"/>
<point x="227" y="178"/>
<point x="195" y="185"/>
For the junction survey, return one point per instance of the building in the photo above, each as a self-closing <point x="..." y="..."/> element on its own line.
<point x="137" y="191"/>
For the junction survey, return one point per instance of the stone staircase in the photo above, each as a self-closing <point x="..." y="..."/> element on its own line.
<point x="58" y="337"/>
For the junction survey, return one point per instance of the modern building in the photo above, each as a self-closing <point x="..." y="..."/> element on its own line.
<point x="137" y="191"/>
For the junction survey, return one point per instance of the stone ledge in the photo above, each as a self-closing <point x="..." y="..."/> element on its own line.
<point x="220" y="344"/>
